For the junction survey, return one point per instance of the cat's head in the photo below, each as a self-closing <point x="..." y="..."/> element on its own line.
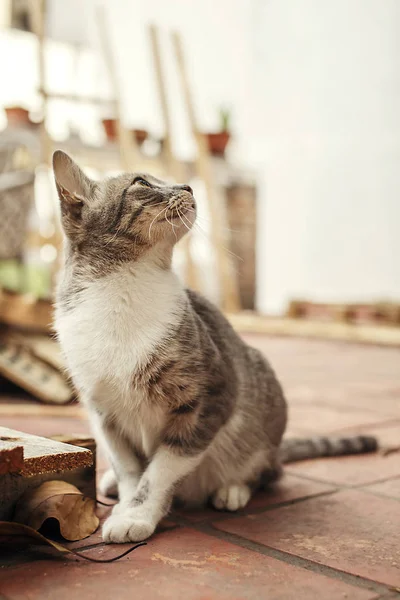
<point x="125" y="215"/>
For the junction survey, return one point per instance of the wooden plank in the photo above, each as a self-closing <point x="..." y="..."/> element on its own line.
<point x="42" y="346"/>
<point x="249" y="322"/>
<point x="241" y="201"/>
<point x="38" y="378"/>
<point x="95" y="100"/>
<point x="11" y="460"/>
<point x="129" y="149"/>
<point x="23" y="311"/>
<point x="34" y="409"/>
<point x="226" y="273"/>
<point x="44" y="460"/>
<point x="43" y="455"/>
<point x="84" y="478"/>
<point x="175" y="168"/>
<point x="38" y="17"/>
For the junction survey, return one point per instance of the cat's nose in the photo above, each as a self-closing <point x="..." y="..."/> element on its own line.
<point x="186" y="188"/>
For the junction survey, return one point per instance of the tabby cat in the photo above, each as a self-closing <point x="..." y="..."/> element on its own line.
<point x="184" y="407"/>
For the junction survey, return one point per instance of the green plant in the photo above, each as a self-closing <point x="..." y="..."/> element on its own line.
<point x="225" y="119"/>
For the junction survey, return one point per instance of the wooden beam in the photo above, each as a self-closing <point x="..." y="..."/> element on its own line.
<point x="175" y="168"/>
<point x="129" y="150"/>
<point x="43" y="459"/>
<point x="84" y="478"/>
<point x="36" y="410"/>
<point x="75" y="98"/>
<point x="19" y="365"/>
<point x="11" y="460"/>
<point x="23" y="311"/>
<point x="38" y="14"/>
<point x="249" y="322"/>
<point x="43" y="455"/>
<point x="226" y="273"/>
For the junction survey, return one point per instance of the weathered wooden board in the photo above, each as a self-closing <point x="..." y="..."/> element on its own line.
<point x="250" y="322"/>
<point x="44" y="459"/>
<point x="20" y="310"/>
<point x="21" y="366"/>
<point x="11" y="460"/>
<point x="84" y="478"/>
<point x="43" y="455"/>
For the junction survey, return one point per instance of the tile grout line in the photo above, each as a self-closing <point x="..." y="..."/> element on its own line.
<point x="292" y="559"/>
<point x="344" y="486"/>
<point x="181" y="520"/>
<point x="229" y="516"/>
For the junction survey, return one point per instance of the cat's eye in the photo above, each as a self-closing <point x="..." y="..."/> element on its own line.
<point x="141" y="181"/>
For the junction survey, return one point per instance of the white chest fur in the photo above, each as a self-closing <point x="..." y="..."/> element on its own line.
<point x="118" y="322"/>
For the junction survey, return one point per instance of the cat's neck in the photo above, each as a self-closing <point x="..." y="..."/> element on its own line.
<point x="138" y="279"/>
<point x="114" y="324"/>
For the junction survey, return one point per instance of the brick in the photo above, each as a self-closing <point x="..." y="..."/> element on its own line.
<point x="350" y="530"/>
<point x="181" y="563"/>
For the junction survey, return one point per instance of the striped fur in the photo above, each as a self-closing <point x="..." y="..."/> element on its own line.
<point x="296" y="449"/>
<point x="184" y="408"/>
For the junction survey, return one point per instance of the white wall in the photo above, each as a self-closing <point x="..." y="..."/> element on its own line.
<point x="217" y="51"/>
<point x="327" y="137"/>
<point x="315" y="92"/>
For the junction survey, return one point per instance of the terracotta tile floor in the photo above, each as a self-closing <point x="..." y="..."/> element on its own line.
<point x="330" y="529"/>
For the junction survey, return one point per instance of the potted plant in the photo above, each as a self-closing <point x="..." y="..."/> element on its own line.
<point x="140" y="135"/>
<point x="110" y="128"/>
<point x="217" y="142"/>
<point x="17" y="116"/>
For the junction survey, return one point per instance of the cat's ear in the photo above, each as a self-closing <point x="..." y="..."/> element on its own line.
<point x="74" y="190"/>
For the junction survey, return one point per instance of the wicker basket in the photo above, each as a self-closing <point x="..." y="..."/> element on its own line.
<point x="16" y="197"/>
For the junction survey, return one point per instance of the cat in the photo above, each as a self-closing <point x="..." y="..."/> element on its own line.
<point x="184" y="407"/>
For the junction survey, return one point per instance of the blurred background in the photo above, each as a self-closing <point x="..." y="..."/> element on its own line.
<point x="282" y="115"/>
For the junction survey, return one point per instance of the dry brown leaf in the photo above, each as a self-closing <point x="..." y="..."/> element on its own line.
<point x="24" y="534"/>
<point x="61" y="501"/>
<point x="18" y="530"/>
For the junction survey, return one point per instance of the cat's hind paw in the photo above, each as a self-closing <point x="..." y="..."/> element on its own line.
<point x="231" y="497"/>
<point x="108" y="485"/>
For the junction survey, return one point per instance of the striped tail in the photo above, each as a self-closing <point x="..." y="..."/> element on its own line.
<point x="294" y="449"/>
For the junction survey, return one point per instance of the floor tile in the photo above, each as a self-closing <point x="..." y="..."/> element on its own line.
<point x="289" y="489"/>
<point x="46" y="426"/>
<point x="390" y="488"/>
<point x="349" y="470"/>
<point x="350" y="530"/>
<point x="177" y="564"/>
<point x="326" y="419"/>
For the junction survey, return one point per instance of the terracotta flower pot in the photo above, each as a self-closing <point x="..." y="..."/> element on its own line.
<point x="17" y="116"/>
<point x="140" y="135"/>
<point x="366" y="313"/>
<point x="217" y="142"/>
<point x="110" y="128"/>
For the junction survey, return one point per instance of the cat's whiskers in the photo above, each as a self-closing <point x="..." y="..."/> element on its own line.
<point x="156" y="217"/>
<point x="172" y="225"/>
<point x="197" y="228"/>
<point x="180" y="216"/>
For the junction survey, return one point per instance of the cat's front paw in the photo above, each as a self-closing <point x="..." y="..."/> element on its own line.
<point x="124" y="527"/>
